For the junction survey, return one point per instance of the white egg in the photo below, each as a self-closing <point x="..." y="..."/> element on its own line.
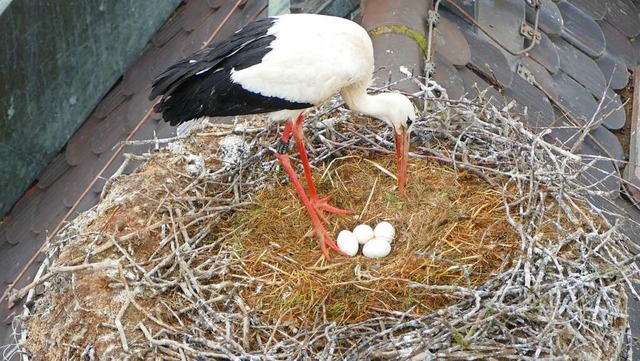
<point x="347" y="242"/>
<point x="376" y="248"/>
<point x="385" y="229"/>
<point x="363" y="233"/>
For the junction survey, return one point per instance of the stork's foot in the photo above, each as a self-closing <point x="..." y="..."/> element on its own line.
<point x="326" y="241"/>
<point x="314" y="209"/>
<point x="321" y="205"/>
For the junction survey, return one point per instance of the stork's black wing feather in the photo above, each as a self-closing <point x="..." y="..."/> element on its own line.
<point x="211" y="56"/>
<point x="201" y="85"/>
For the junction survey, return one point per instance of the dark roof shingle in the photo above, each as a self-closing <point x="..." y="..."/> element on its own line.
<point x="581" y="30"/>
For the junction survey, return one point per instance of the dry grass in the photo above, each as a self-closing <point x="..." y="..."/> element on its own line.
<point x="451" y="231"/>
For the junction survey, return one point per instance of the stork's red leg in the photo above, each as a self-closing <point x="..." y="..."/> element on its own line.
<point x="321" y="205"/>
<point x="320" y="230"/>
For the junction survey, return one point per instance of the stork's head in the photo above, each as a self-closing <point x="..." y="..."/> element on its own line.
<point x="393" y="108"/>
<point x="400" y="114"/>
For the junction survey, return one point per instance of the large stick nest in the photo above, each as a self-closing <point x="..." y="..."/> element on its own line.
<point x="203" y="251"/>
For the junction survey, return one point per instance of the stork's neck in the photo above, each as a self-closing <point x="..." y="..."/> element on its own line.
<point x="358" y="100"/>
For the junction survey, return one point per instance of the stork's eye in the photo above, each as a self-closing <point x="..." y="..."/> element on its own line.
<point x="409" y="122"/>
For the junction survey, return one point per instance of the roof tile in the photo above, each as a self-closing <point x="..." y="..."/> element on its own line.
<point x="614" y="110"/>
<point x="618" y="45"/>
<point x="581" y="30"/>
<point x="574" y="98"/>
<point x="111" y="101"/>
<point x="247" y="11"/>
<point x="583" y="107"/>
<point x="89" y="200"/>
<point x="170" y="28"/>
<point x="394" y="49"/>
<point x="78" y="148"/>
<point x="52" y="208"/>
<point x="138" y="76"/>
<point x="623" y="14"/>
<point x="218" y="10"/>
<point x="549" y="19"/>
<point x="541" y="75"/>
<point x="110" y="131"/>
<point x="243" y="4"/>
<point x="167" y="55"/>
<point x="539" y="109"/>
<point x="22" y="215"/>
<point x="472" y="81"/>
<point x="149" y="131"/>
<point x="3" y="240"/>
<point x="614" y="70"/>
<point x="581" y="68"/>
<point x="447" y="76"/>
<point x="450" y="12"/>
<point x="138" y="108"/>
<point x="635" y="42"/>
<point x="77" y="179"/>
<point x="201" y="36"/>
<point x="562" y="132"/>
<point x="607" y="144"/>
<point x="216" y="4"/>
<point x="595" y="9"/>
<point x="195" y="11"/>
<point x="451" y="43"/>
<point x="502" y="23"/>
<point x="603" y="142"/>
<point x="488" y="61"/>
<point x="56" y="167"/>
<point x="14" y="259"/>
<point x="196" y="40"/>
<point x="546" y="54"/>
<point x="603" y="174"/>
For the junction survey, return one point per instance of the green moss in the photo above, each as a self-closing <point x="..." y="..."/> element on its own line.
<point x="403" y="30"/>
<point x="336" y="310"/>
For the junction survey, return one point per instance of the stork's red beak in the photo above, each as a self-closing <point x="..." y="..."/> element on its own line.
<point x="402" y="152"/>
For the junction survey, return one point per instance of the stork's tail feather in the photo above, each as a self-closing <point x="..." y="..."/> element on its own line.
<point x="174" y="111"/>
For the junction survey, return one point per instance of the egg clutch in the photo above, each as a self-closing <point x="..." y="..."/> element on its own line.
<point x="376" y="241"/>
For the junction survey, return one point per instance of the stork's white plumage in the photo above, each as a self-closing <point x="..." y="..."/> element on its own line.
<point x="281" y="66"/>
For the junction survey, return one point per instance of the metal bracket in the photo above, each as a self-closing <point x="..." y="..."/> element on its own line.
<point x="433" y="17"/>
<point x="533" y="3"/>
<point x="530" y="33"/>
<point x="430" y="69"/>
<point x="525" y="74"/>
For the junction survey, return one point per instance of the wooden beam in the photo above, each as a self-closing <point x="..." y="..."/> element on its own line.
<point x="632" y="171"/>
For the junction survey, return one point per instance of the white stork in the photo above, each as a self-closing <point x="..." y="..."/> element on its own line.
<point x="283" y="65"/>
